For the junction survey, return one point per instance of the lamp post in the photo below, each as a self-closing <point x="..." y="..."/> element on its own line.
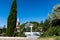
<point x="31" y="25"/>
<point x="31" y="28"/>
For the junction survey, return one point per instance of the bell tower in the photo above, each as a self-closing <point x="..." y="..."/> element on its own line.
<point x="18" y="25"/>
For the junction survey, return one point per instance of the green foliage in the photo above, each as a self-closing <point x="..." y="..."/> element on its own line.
<point x="35" y="26"/>
<point x="4" y="29"/>
<point x="27" y="29"/>
<point x="23" y="29"/>
<point x="54" y="16"/>
<point x="41" y="24"/>
<point x="22" y="34"/>
<point x="11" y="23"/>
<point x="58" y="31"/>
<point x="50" y="32"/>
<point x="0" y="31"/>
<point x="46" y="25"/>
<point x="57" y="38"/>
<point x="48" y="29"/>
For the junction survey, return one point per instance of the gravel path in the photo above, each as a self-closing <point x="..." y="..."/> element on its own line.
<point x="16" y="38"/>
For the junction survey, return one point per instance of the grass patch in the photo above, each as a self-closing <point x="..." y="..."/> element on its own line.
<point x="57" y="38"/>
<point x="46" y="38"/>
<point x="50" y="38"/>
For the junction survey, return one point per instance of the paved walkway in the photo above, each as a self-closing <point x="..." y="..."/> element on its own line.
<point x="16" y="38"/>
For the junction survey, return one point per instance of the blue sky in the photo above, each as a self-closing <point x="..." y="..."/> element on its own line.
<point x="27" y="10"/>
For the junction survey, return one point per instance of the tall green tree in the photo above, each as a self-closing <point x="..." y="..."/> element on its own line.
<point x="11" y="23"/>
<point x="46" y="25"/>
<point x="54" y="16"/>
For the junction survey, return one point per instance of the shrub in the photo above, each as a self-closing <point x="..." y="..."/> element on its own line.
<point x="50" y="32"/>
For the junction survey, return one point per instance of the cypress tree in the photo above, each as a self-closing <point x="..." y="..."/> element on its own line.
<point x="11" y="23"/>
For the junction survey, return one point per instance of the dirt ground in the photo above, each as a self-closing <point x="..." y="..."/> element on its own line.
<point x="45" y="39"/>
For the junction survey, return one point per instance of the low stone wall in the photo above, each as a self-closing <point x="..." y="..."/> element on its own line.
<point x="16" y="38"/>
